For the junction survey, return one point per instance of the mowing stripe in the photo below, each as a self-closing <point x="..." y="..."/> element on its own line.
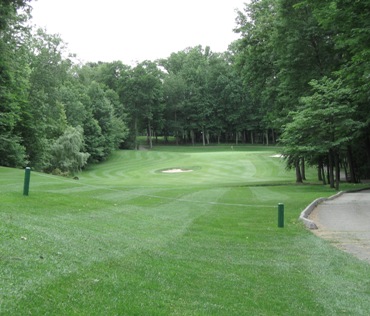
<point x="150" y="195"/>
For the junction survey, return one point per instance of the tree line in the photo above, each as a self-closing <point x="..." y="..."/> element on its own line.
<point x="306" y="64"/>
<point x="298" y="75"/>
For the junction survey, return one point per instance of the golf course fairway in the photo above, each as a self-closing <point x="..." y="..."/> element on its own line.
<point x="127" y="238"/>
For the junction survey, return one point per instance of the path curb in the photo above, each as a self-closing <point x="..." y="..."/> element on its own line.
<point x="308" y="210"/>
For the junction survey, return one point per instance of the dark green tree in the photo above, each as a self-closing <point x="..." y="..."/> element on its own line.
<point x="14" y="85"/>
<point x="103" y="112"/>
<point x="348" y="23"/>
<point x="45" y="120"/>
<point x="323" y="126"/>
<point x="142" y="94"/>
<point x="256" y="59"/>
<point x="174" y="88"/>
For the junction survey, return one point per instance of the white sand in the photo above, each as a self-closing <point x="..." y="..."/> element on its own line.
<point x="176" y="170"/>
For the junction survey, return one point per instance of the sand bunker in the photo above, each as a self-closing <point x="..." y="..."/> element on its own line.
<point x="176" y="170"/>
<point x="277" y="156"/>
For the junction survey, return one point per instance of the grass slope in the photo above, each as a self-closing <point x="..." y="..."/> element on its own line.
<point x="127" y="239"/>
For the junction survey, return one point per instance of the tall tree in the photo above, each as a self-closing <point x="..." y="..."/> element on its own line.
<point x="174" y="88"/>
<point x="324" y="125"/>
<point x="46" y="119"/>
<point x="142" y="94"/>
<point x="348" y="22"/>
<point x="256" y="59"/>
<point x="102" y="111"/>
<point x="14" y="74"/>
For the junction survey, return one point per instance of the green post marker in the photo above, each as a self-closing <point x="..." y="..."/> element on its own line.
<point x="27" y="176"/>
<point x="280" y="215"/>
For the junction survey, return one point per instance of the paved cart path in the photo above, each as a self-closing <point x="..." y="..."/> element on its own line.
<point x="345" y="221"/>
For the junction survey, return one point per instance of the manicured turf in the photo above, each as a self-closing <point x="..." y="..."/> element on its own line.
<point x="126" y="239"/>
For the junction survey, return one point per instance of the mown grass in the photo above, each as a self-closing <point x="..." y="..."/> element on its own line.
<point x="127" y="239"/>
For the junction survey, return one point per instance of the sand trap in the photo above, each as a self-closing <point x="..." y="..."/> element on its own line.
<point x="277" y="156"/>
<point x="176" y="170"/>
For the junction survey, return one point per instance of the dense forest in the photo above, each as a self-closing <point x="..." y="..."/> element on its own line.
<point x="298" y="76"/>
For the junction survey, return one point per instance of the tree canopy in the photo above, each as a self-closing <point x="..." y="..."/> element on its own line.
<point x="307" y="66"/>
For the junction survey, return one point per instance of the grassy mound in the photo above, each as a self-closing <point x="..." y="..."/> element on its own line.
<point x="126" y="239"/>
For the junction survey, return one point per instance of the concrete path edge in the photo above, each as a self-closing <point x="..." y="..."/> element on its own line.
<point x="308" y="210"/>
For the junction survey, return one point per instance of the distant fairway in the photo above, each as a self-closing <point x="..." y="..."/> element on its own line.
<point x="128" y="239"/>
<point x="219" y="165"/>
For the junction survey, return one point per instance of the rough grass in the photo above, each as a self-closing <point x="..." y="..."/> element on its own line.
<point x="126" y="239"/>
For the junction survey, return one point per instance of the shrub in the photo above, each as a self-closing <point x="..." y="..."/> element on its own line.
<point x="66" y="152"/>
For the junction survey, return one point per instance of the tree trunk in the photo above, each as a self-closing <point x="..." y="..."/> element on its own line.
<point x="236" y="138"/>
<point x="267" y="137"/>
<point x="328" y="174"/>
<point x="337" y="171"/>
<point x="303" y="169"/>
<point x="192" y="136"/>
<point x="344" y="165"/>
<point x="351" y="165"/>
<point x="331" y="169"/>
<point x="319" y="171"/>
<point x="176" y="130"/>
<point x="150" y="141"/>
<point x="298" y="172"/>
<point x="273" y="137"/>
<point x="204" y="137"/>
<point x="252" y="139"/>
<point x="323" y="175"/>
<point x="136" y="133"/>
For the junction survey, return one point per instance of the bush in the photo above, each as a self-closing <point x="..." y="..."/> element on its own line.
<point x="66" y="152"/>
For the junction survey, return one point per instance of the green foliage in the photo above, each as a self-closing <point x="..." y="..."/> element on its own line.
<point x="323" y="126"/>
<point x="8" y="11"/>
<point x="66" y="152"/>
<point x="14" y="70"/>
<point x="119" y="132"/>
<point x="287" y="52"/>
<point x="325" y="120"/>
<point x="45" y="118"/>
<point x="72" y="96"/>
<point x="105" y="117"/>
<point x="256" y="57"/>
<point x="267" y="84"/>
<point x="202" y="93"/>
<point x="12" y="153"/>
<point x="142" y="94"/>
<point x="102" y="111"/>
<point x="42" y="93"/>
<point x="14" y="85"/>
<point x="94" y="140"/>
<point x="174" y="90"/>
